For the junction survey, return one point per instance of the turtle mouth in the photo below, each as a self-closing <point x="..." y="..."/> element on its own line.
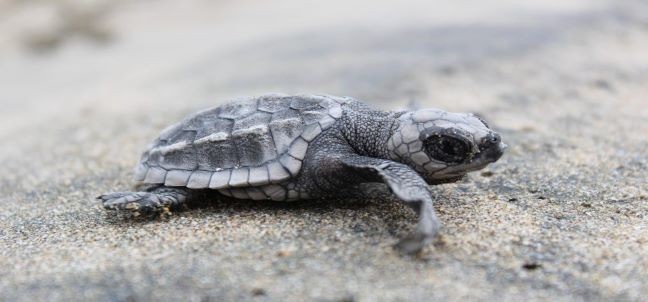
<point x="480" y="160"/>
<point x="486" y="156"/>
<point x="491" y="148"/>
<point x="492" y="153"/>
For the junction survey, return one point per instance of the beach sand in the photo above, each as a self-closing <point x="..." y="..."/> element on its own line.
<point x="562" y="216"/>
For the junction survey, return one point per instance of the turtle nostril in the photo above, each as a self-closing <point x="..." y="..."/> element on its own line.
<point x="490" y="141"/>
<point x="495" y="138"/>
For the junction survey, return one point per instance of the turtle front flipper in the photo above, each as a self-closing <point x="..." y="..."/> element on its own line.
<point x="158" y="199"/>
<point x="408" y="187"/>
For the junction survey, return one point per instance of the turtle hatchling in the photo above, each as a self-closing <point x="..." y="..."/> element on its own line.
<point x="283" y="148"/>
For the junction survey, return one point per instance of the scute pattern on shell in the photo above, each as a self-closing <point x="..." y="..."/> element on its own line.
<point x="243" y="143"/>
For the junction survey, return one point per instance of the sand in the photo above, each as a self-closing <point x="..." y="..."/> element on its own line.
<point x="562" y="216"/>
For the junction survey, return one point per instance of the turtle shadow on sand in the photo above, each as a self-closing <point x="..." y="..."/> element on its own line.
<point x="375" y="214"/>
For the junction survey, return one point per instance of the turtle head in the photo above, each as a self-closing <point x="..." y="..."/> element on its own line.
<point x="444" y="146"/>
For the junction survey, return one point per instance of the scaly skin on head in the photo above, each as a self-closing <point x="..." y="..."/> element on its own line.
<point x="443" y="146"/>
<point x="421" y="139"/>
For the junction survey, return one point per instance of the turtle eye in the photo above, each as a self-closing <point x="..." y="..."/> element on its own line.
<point x="448" y="149"/>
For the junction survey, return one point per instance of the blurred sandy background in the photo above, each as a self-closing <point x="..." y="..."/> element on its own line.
<point x="85" y="85"/>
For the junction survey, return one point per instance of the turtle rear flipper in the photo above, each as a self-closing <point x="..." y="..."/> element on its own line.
<point x="157" y="200"/>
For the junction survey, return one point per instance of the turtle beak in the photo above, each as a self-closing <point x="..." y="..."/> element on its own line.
<point x="494" y="152"/>
<point x="492" y="148"/>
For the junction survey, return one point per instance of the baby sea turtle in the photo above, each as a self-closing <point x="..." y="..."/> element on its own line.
<point x="283" y="148"/>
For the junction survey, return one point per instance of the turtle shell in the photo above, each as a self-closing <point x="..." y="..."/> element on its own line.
<point x="243" y="143"/>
